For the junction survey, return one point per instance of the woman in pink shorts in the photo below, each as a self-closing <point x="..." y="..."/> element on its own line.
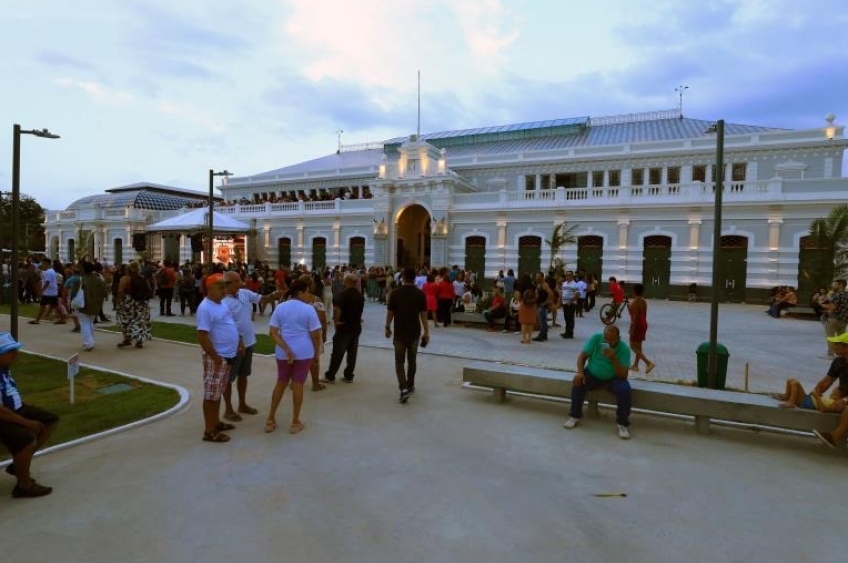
<point x="296" y="331"/>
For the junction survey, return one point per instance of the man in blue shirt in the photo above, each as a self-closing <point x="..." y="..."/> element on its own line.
<point x="23" y="428"/>
<point x="603" y="362"/>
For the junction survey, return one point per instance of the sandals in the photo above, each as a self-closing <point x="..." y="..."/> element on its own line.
<point x="270" y="426"/>
<point x="319" y="387"/>
<point x="215" y="436"/>
<point x="233" y="417"/>
<point x="296" y="427"/>
<point x="33" y="322"/>
<point x="248" y="410"/>
<point x="223" y="427"/>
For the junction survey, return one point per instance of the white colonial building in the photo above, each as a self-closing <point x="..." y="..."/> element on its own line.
<point x="639" y="189"/>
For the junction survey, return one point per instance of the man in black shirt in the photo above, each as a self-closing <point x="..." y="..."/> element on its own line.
<point x="408" y="308"/>
<point x="347" y="318"/>
<point x="838" y="372"/>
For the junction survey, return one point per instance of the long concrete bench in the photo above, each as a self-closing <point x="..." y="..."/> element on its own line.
<point x="703" y="404"/>
<point x="474" y="318"/>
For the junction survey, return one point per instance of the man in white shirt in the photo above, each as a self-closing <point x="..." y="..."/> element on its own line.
<point x="570" y="295"/>
<point x="581" y="294"/>
<point x="219" y="339"/>
<point x="240" y="303"/>
<point x="49" y="294"/>
<point x="421" y="279"/>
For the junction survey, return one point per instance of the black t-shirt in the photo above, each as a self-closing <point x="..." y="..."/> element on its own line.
<point x="407" y="303"/>
<point x="351" y="303"/>
<point x="839" y="370"/>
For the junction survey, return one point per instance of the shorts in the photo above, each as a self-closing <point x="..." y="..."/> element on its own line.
<point x="16" y="437"/>
<point x="242" y="364"/>
<point x="52" y="300"/>
<point x="808" y="403"/>
<point x="297" y="371"/>
<point x="215" y="377"/>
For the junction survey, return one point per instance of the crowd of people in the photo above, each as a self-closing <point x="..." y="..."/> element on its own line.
<point x="292" y="197"/>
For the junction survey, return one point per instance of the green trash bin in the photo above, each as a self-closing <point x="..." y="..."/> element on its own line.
<point x="703" y="354"/>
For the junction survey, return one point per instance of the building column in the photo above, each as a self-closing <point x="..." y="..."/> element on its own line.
<point x="538" y="183"/>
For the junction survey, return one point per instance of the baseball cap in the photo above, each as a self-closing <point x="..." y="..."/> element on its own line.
<point x="8" y="343"/>
<point x="840" y="339"/>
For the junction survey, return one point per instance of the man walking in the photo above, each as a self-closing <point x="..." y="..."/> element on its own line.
<point x="220" y="342"/>
<point x="347" y="320"/>
<point x="49" y="294"/>
<point x="408" y="309"/>
<point x="166" y="279"/>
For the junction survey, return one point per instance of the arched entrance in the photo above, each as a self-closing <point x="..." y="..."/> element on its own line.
<point x="733" y="268"/>
<point x="656" y="266"/>
<point x="413" y="237"/>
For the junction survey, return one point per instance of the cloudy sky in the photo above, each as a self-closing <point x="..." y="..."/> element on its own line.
<point x="162" y="91"/>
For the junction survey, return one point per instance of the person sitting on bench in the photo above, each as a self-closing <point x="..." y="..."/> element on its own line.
<point x="838" y="371"/>
<point x="496" y="310"/>
<point x="23" y="428"/>
<point x="795" y="396"/>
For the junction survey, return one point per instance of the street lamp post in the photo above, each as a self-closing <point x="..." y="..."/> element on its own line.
<point x="712" y="365"/>
<point x="210" y="234"/>
<point x="16" y="213"/>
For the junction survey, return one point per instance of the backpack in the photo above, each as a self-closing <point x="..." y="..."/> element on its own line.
<point x="162" y="278"/>
<point x="140" y="289"/>
<point x="529" y="298"/>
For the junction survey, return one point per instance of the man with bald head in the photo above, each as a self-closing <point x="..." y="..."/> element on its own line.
<point x="347" y="320"/>
<point x="603" y="362"/>
<point x="240" y="302"/>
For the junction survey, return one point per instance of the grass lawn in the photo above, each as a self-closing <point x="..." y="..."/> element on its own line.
<point x="44" y="383"/>
<point x="188" y="333"/>
<point x="28" y="310"/>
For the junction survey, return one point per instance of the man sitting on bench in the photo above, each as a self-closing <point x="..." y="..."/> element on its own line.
<point x="23" y="428"/>
<point x="603" y="362"/>
<point x="838" y="372"/>
<point x="496" y="310"/>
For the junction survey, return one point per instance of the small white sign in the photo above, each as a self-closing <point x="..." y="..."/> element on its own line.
<point x="73" y="366"/>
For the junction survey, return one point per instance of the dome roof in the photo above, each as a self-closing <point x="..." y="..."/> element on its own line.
<point x="141" y="196"/>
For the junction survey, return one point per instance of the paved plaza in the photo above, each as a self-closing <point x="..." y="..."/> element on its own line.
<point x="450" y="476"/>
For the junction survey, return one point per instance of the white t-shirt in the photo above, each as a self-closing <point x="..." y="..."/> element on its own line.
<point x="240" y="307"/>
<point x="48" y="277"/>
<point x="420" y="281"/>
<point x="216" y="319"/>
<point x="458" y="288"/>
<point x="296" y="321"/>
<point x="581" y="289"/>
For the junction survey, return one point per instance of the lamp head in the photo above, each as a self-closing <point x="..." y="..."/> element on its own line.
<point x="44" y="133"/>
<point x="712" y="129"/>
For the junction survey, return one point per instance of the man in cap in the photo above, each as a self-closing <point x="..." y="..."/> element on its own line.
<point x="838" y="371"/>
<point x="23" y="428"/>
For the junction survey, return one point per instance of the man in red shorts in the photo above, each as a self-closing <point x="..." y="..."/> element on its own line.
<point x="219" y="338"/>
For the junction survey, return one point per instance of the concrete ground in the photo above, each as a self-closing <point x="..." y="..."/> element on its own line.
<point x="450" y="476"/>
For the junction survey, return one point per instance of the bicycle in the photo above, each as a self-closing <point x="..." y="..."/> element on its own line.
<point x="610" y="312"/>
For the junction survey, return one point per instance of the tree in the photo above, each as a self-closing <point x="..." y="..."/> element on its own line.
<point x="561" y="236"/>
<point x="31" y="235"/>
<point x="831" y="236"/>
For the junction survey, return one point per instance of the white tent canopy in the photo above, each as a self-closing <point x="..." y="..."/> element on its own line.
<point x="197" y="220"/>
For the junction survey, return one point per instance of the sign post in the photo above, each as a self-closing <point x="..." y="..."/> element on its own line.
<point x="73" y="370"/>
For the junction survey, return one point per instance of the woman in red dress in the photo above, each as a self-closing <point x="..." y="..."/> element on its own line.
<point x="431" y="291"/>
<point x="638" y="309"/>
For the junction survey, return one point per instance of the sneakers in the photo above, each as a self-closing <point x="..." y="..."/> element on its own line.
<point x="623" y="432"/>
<point x="571" y="422"/>
<point x="826" y="438"/>
<point x="404" y="396"/>
<point x="34" y="490"/>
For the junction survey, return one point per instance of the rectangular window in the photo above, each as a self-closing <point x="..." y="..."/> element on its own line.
<point x="529" y="182"/>
<point x="598" y="178"/>
<point x="637" y="177"/>
<point x="655" y="176"/>
<point x="411" y="165"/>
<point x="673" y="174"/>
<point x="614" y="178"/>
<point x="723" y="173"/>
<point x="699" y="173"/>
<point x="739" y="171"/>
<point x="545" y="182"/>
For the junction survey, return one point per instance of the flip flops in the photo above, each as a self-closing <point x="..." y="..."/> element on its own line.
<point x="223" y="427"/>
<point x="270" y="426"/>
<point x="296" y="427"/>
<point x="215" y="436"/>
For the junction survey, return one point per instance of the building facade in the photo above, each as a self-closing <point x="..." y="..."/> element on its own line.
<point x="638" y="189"/>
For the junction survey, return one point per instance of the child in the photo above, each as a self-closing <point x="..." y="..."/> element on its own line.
<point x="527" y="315"/>
<point x="23" y="428"/>
<point x="795" y="396"/>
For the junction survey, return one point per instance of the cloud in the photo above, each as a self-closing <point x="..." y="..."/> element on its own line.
<point x="97" y="92"/>
<point x="51" y="58"/>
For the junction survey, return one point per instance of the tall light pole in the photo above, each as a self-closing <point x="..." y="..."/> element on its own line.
<point x="16" y="213"/>
<point x="210" y="234"/>
<point x="712" y="366"/>
<point x="680" y="89"/>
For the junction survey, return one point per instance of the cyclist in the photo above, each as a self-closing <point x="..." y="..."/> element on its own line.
<point x="616" y="289"/>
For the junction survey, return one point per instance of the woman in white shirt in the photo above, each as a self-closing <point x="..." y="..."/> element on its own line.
<point x="296" y="331"/>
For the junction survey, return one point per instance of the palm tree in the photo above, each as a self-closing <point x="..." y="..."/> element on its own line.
<point x="560" y="236"/>
<point x="831" y="236"/>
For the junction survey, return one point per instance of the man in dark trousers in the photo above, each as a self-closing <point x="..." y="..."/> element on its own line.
<point x="408" y="309"/>
<point x="347" y="319"/>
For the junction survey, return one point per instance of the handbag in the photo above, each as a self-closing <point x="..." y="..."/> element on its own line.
<point x="78" y="302"/>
